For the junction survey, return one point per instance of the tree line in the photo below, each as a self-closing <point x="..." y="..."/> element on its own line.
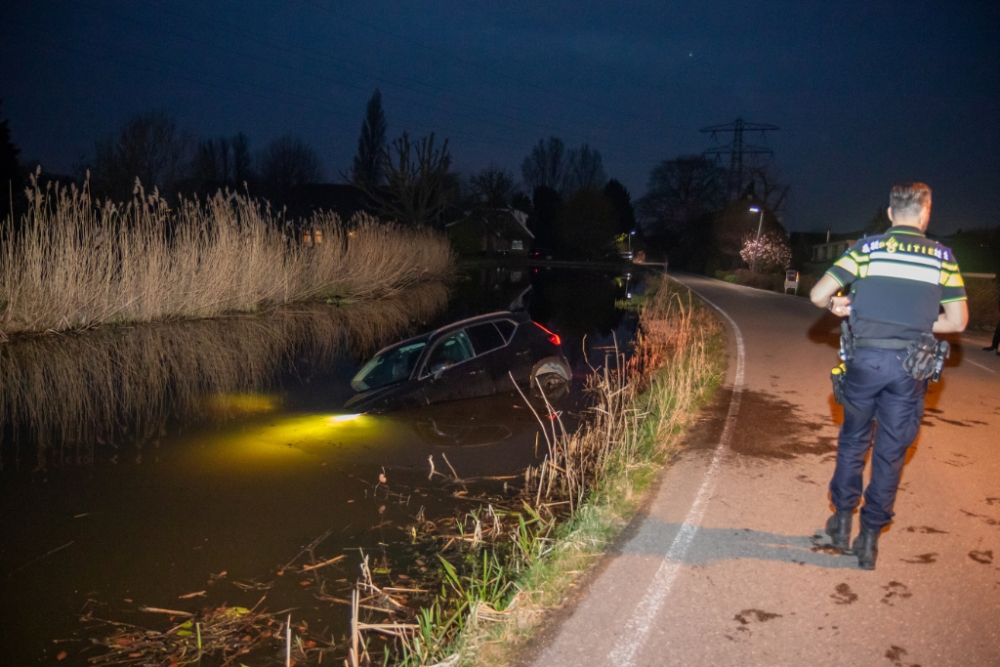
<point x="574" y="209"/>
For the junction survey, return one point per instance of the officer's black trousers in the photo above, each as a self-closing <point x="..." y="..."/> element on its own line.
<point x="878" y="390"/>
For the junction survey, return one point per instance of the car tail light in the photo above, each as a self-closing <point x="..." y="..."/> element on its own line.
<point x="553" y="338"/>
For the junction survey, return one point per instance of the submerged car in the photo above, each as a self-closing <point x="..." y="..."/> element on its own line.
<point x="466" y="359"/>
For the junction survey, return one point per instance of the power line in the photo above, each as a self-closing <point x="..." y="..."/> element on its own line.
<point x="326" y="78"/>
<point x="471" y="63"/>
<point x="737" y="149"/>
<point x="381" y="77"/>
<point x="240" y="87"/>
<point x="326" y="58"/>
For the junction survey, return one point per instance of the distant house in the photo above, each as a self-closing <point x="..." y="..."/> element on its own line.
<point x="491" y="231"/>
<point x="830" y="251"/>
<point x="343" y="199"/>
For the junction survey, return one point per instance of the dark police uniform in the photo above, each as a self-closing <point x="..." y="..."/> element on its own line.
<point x="897" y="280"/>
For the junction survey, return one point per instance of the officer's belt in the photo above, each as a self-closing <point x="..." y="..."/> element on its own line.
<point x="883" y="343"/>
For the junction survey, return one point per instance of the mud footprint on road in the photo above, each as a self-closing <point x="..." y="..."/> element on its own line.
<point x="926" y="530"/>
<point x="922" y="559"/>
<point x="844" y="595"/>
<point x="989" y="521"/>
<point x="894" y="590"/>
<point x="821" y="546"/>
<point x="769" y="427"/>
<point x="747" y="616"/>
<point x="984" y="557"/>
<point x="896" y="653"/>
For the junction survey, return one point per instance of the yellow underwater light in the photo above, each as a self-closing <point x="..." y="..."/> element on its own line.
<point x="335" y="419"/>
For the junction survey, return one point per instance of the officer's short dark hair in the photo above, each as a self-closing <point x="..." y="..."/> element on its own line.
<point x="909" y="199"/>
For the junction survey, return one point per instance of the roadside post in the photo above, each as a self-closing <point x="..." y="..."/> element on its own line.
<point x="792" y="281"/>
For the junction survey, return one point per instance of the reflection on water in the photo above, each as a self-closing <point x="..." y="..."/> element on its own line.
<point x="274" y="465"/>
<point x="122" y="385"/>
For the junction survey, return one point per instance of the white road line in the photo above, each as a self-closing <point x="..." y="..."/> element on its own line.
<point x="637" y="629"/>
<point x="990" y="370"/>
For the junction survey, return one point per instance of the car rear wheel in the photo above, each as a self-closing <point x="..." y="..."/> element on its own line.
<point x="552" y="373"/>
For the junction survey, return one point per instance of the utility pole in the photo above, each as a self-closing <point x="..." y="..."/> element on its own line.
<point x="737" y="149"/>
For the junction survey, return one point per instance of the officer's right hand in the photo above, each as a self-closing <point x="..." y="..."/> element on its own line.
<point x="840" y="306"/>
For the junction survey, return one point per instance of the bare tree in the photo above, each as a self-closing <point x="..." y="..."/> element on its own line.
<point x="242" y="160"/>
<point x="368" y="170"/>
<point x="10" y="171"/>
<point x="545" y="165"/>
<point x="494" y="187"/>
<point x="213" y="162"/>
<point x="418" y="184"/>
<point x="584" y="170"/>
<point x="681" y="191"/>
<point x="149" y="147"/>
<point x="286" y="163"/>
<point x="765" y="186"/>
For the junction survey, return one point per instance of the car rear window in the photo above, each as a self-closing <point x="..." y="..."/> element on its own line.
<point x="485" y="337"/>
<point x="506" y="328"/>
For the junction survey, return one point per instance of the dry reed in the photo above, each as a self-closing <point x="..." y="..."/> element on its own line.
<point x="503" y="565"/>
<point x="638" y="403"/>
<point x="123" y="383"/>
<point x="74" y="262"/>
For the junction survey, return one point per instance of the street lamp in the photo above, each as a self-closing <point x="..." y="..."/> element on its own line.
<point x="630" y="235"/>
<point x="757" y="209"/>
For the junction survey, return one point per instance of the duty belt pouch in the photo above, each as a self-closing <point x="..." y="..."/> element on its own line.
<point x="925" y="357"/>
<point x="838" y="374"/>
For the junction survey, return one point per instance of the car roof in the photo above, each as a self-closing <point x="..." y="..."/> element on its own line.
<point x="518" y="317"/>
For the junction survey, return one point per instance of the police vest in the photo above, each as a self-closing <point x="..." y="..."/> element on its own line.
<point x="898" y="281"/>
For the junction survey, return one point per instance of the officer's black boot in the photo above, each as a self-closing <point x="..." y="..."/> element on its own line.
<point x="838" y="527"/>
<point x="866" y="547"/>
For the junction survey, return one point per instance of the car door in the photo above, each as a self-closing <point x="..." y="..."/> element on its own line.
<point x="491" y="362"/>
<point x="447" y="374"/>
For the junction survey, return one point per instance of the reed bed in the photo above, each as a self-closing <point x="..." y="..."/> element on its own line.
<point x="119" y="385"/>
<point x="638" y="404"/>
<point x="73" y="262"/>
<point x="503" y="565"/>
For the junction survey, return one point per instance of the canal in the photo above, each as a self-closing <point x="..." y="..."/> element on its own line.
<point x="184" y="466"/>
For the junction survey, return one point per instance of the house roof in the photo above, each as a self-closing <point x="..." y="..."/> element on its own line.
<point x="511" y="216"/>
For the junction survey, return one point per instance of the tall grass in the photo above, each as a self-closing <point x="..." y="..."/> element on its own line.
<point x="74" y="262"/>
<point x="638" y="404"/>
<point x="518" y="561"/>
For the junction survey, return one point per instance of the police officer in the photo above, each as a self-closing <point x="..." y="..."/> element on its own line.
<point x="900" y="285"/>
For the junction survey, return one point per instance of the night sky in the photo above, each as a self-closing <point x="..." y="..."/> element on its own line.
<point x="865" y="93"/>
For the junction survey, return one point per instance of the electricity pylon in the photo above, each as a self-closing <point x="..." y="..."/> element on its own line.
<point x="737" y="150"/>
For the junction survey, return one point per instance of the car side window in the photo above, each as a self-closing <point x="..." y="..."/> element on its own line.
<point x="506" y="328"/>
<point x="450" y="350"/>
<point x="485" y="337"/>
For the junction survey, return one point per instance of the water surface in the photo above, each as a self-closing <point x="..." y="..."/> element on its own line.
<point x="147" y="463"/>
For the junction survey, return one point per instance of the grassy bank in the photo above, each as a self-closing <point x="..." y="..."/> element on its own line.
<point x="503" y="566"/>
<point x="72" y="262"/>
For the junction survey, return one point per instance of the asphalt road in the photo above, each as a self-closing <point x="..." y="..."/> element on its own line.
<point x="725" y="566"/>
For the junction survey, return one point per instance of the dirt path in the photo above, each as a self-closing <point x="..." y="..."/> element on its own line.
<point x="725" y="567"/>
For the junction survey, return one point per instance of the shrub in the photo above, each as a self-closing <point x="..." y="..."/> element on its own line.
<point x="769" y="281"/>
<point x="766" y="253"/>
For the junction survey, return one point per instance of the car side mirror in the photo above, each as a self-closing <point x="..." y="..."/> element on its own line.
<point x="438" y="369"/>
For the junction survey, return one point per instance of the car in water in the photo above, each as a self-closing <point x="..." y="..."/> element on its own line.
<point x="467" y="359"/>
